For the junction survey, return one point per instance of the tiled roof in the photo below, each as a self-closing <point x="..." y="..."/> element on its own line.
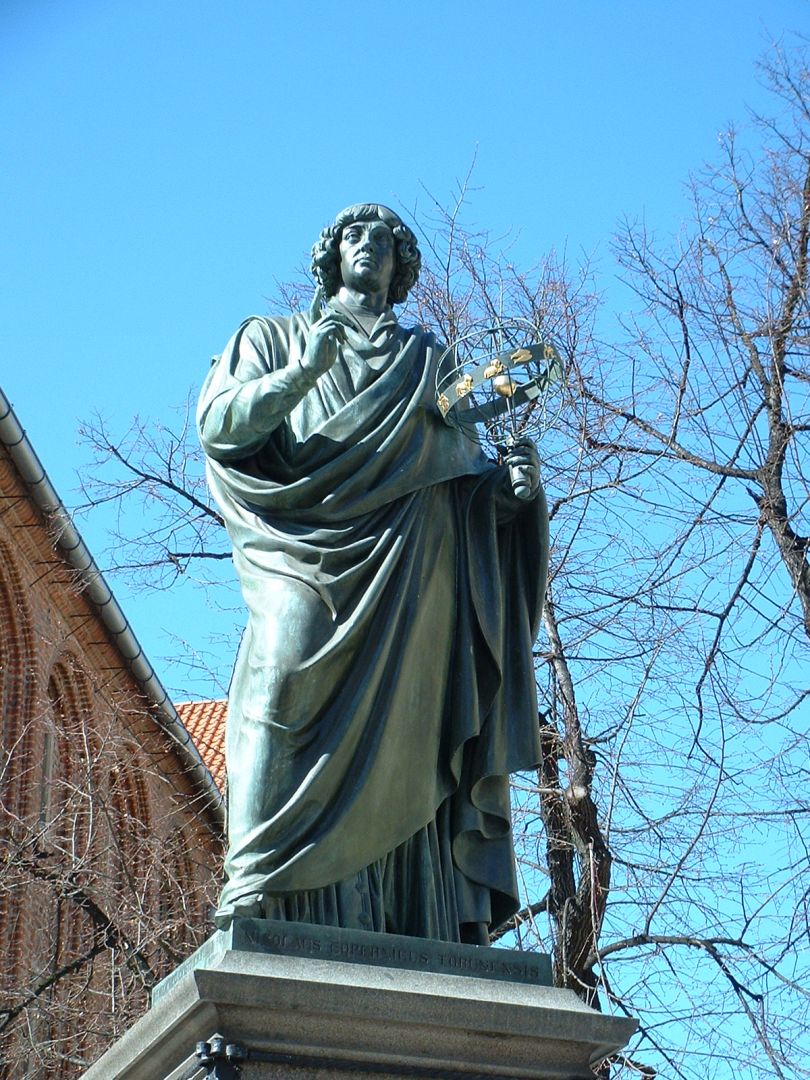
<point x="205" y="723"/>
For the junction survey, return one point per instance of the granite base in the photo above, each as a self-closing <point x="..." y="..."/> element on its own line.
<point x="237" y="1010"/>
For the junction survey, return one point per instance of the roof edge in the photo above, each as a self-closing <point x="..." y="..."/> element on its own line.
<point x="76" y="554"/>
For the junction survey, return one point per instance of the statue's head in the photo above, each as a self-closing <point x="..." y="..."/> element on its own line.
<point x="326" y="251"/>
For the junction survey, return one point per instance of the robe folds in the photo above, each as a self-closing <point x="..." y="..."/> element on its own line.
<point x="396" y="728"/>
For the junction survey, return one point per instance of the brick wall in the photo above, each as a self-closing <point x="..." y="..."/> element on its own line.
<point x="109" y="851"/>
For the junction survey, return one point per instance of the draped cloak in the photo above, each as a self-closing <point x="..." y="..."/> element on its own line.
<point x="422" y="700"/>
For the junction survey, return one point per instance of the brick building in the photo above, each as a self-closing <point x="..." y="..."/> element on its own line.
<point x="111" y="823"/>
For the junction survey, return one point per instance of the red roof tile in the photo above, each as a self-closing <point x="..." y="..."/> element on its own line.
<point x="205" y="723"/>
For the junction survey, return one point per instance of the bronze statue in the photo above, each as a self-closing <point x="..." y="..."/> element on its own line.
<point x="384" y="687"/>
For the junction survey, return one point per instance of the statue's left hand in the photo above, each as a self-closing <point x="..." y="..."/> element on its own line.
<point x="523" y="462"/>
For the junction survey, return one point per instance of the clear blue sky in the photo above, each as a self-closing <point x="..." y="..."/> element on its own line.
<point x="166" y="162"/>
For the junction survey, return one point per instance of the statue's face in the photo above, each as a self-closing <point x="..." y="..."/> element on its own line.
<point x="367" y="256"/>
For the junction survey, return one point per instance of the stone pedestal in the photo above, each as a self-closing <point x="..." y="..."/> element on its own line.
<point x="266" y="1000"/>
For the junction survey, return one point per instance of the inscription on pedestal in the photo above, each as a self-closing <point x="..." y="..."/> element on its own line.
<point x="329" y="943"/>
<point x="326" y="943"/>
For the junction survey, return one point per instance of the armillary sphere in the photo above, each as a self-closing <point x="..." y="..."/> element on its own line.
<point x="502" y="376"/>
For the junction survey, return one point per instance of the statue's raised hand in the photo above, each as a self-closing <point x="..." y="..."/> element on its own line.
<point x="321" y="351"/>
<point x="523" y="462"/>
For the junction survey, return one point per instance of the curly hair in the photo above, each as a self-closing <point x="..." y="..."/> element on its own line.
<point x="326" y="250"/>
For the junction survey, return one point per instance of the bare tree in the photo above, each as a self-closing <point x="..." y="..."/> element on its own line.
<point x="104" y="886"/>
<point x="663" y="841"/>
<point x="165" y="518"/>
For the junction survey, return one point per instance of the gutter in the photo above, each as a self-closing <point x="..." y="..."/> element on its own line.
<point x="75" y="553"/>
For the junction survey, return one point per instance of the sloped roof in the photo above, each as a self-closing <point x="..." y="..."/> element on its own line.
<point x="205" y="723"/>
<point x="73" y="550"/>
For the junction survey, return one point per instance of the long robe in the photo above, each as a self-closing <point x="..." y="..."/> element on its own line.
<point x="390" y="746"/>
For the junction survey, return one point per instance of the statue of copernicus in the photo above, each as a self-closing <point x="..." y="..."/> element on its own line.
<point x="384" y="687"/>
